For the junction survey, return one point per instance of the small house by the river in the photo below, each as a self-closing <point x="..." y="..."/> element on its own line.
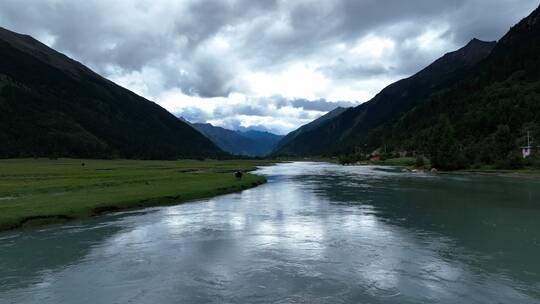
<point x="529" y="149"/>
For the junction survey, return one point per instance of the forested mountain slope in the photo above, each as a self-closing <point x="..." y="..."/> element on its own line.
<point x="293" y="143"/>
<point x="330" y="136"/>
<point x="52" y="106"/>
<point x="489" y="110"/>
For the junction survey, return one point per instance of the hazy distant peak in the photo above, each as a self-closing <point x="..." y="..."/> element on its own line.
<point x="249" y="142"/>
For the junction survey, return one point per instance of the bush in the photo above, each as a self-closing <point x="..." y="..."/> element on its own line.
<point x="444" y="149"/>
<point x="532" y="161"/>
<point x="385" y="156"/>
<point x="513" y="161"/>
<point x="345" y="159"/>
<point x="420" y="163"/>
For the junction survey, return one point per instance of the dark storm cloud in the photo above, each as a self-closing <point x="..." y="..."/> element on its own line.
<point x="271" y="106"/>
<point x="342" y="69"/>
<point x="204" y="18"/>
<point x="320" y="105"/>
<point x="90" y="31"/>
<point x="206" y="47"/>
<point x="193" y="114"/>
<point x="317" y="24"/>
<point x="268" y="108"/>
<point x="207" y="78"/>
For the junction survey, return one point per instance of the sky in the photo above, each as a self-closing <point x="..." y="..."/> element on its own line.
<point x="262" y="64"/>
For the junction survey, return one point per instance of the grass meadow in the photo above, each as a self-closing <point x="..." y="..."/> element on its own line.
<point x="42" y="191"/>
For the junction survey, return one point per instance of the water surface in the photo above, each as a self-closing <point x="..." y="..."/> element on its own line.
<point x="316" y="233"/>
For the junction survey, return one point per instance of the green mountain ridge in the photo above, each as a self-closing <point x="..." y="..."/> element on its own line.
<point x="483" y="90"/>
<point x="388" y="104"/>
<point x="490" y="110"/>
<point x="53" y="106"/>
<point x="292" y="142"/>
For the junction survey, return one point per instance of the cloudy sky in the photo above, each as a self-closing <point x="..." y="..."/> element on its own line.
<point x="265" y="64"/>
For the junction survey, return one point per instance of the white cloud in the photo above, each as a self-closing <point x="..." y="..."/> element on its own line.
<point x="234" y="62"/>
<point x="298" y="80"/>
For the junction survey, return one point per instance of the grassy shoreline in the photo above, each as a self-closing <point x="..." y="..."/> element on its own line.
<point x="503" y="172"/>
<point x="410" y="163"/>
<point x="42" y="191"/>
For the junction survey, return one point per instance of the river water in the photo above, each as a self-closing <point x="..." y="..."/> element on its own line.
<point x="316" y="233"/>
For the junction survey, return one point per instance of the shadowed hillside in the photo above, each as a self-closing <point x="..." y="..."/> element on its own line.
<point x="474" y="106"/>
<point x="52" y="106"/>
<point x="249" y="143"/>
<point x="327" y="136"/>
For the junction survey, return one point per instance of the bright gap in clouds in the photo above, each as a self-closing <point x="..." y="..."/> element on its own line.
<point x="260" y="105"/>
<point x="265" y="64"/>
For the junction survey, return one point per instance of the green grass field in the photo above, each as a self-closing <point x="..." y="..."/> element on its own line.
<point x="41" y="191"/>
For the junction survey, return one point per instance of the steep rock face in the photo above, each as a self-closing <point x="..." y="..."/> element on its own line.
<point x="51" y="106"/>
<point x="351" y="125"/>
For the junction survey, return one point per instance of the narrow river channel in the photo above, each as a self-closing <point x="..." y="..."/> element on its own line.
<point x="316" y="233"/>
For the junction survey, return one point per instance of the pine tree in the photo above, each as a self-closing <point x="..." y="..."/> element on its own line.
<point x="443" y="147"/>
<point x="504" y="143"/>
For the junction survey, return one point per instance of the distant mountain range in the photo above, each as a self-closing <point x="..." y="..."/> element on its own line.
<point x="482" y="88"/>
<point x="248" y="143"/>
<point x="486" y="95"/>
<point x="52" y="106"/>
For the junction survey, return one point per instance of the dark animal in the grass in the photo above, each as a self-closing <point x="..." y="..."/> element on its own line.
<point x="238" y="174"/>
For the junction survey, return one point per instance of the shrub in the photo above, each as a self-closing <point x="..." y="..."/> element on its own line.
<point x="514" y="160"/>
<point x="444" y="149"/>
<point x="420" y="163"/>
<point x="532" y="161"/>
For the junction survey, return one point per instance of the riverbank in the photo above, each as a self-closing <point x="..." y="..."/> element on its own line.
<point x="410" y="163"/>
<point x="500" y="172"/>
<point x="42" y="191"/>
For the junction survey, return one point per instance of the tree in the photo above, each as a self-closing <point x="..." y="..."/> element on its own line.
<point x="530" y="130"/>
<point x="345" y="159"/>
<point x="504" y="143"/>
<point x="443" y="147"/>
<point x="420" y="163"/>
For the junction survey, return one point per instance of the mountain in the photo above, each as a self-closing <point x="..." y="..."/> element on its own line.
<point x="490" y="109"/>
<point x="471" y="107"/>
<point x="248" y="143"/>
<point x="292" y="143"/>
<point x="51" y="106"/>
<point x="266" y="141"/>
<point x="328" y="136"/>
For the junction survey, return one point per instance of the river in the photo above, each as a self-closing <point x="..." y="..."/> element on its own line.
<point x="315" y="233"/>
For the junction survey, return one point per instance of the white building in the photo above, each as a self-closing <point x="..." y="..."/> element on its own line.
<point x="529" y="148"/>
<point x="526" y="151"/>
